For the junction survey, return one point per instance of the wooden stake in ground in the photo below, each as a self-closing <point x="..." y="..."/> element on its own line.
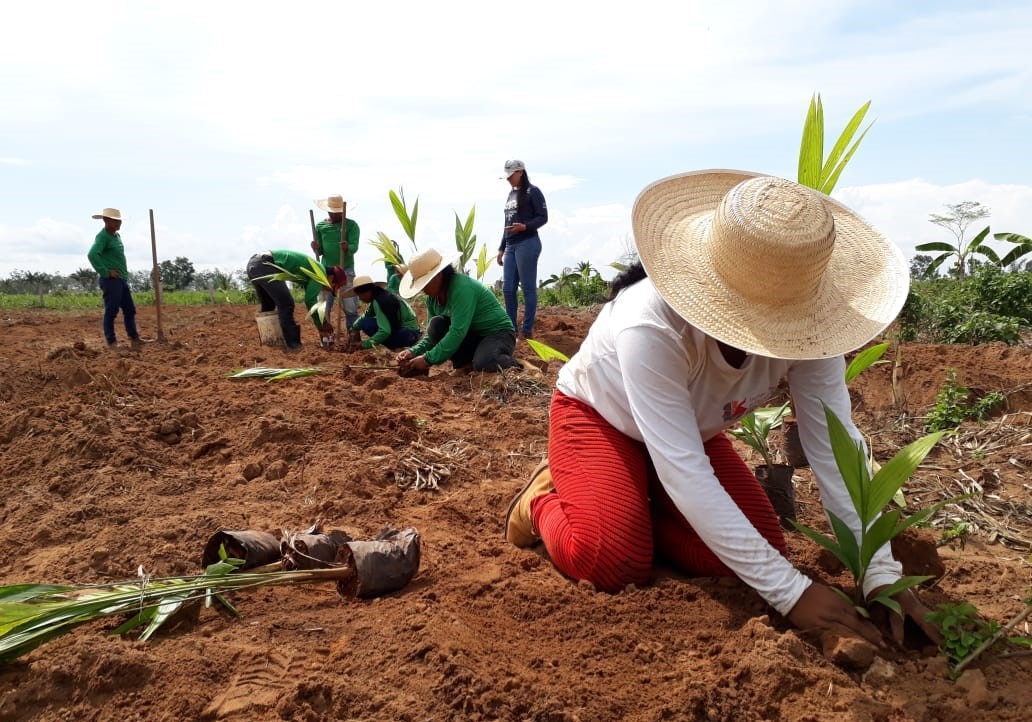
<point x="157" y="277"/>
<point x="315" y="236"/>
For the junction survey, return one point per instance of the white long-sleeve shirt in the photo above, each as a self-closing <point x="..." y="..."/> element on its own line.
<point x="661" y="381"/>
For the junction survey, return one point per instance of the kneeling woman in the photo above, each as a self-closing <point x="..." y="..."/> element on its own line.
<point x="467" y="323"/>
<point x="750" y="280"/>
<point x="388" y="321"/>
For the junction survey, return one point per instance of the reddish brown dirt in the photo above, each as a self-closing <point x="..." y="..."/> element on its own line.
<point x="115" y="460"/>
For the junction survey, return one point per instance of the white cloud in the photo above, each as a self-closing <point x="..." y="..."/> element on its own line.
<point x="900" y="210"/>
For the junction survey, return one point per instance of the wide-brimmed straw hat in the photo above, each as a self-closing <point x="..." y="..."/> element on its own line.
<point x="112" y="213"/>
<point x="359" y="282"/>
<point x="422" y="268"/>
<point x="332" y="204"/>
<point x="767" y="265"/>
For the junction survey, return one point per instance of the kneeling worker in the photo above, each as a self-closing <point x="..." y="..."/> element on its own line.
<point x="388" y="321"/>
<point x="466" y="322"/>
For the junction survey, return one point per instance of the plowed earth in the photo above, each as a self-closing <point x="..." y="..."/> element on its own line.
<point x="113" y="460"/>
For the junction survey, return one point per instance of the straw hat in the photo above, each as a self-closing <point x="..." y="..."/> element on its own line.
<point x="361" y="281"/>
<point x="112" y="213"/>
<point x="332" y="204"/>
<point x="767" y="265"/>
<point x="422" y="268"/>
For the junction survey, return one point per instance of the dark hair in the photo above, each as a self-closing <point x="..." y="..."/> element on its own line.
<point x="625" y="279"/>
<point x="524" y="192"/>
<point x="447" y="273"/>
<point x="388" y="303"/>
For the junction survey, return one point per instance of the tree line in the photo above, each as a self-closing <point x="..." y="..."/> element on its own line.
<point x="175" y="275"/>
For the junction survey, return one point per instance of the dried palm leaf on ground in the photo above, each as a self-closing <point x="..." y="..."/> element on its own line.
<point x="424" y="467"/>
<point x="32" y="614"/>
<point x="276" y="374"/>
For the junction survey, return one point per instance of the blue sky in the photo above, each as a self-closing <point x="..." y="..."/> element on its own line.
<point x="230" y="118"/>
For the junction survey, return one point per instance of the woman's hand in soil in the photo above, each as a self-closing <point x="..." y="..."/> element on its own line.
<point x="403" y="357"/>
<point x="821" y="609"/>
<point x="912" y="608"/>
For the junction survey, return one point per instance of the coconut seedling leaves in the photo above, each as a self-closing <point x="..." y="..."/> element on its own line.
<point x="865" y="359"/>
<point x="814" y="171"/>
<point x="482" y="263"/>
<point x="869" y="496"/>
<point x="316" y="272"/>
<point x="546" y="352"/>
<point x="408" y="222"/>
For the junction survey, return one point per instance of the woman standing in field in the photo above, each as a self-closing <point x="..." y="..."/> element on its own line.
<point x="744" y="280"/>
<point x="525" y="213"/>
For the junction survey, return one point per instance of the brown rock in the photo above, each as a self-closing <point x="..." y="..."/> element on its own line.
<point x="848" y="652"/>
<point x="251" y="471"/>
<point x="277" y="470"/>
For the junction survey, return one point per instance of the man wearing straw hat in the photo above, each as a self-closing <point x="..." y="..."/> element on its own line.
<point x="467" y="324"/>
<point x="744" y="280"/>
<point x="107" y="256"/>
<point x="331" y="234"/>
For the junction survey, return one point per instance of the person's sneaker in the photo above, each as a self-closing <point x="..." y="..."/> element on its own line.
<point x="136" y="343"/>
<point x="519" y="527"/>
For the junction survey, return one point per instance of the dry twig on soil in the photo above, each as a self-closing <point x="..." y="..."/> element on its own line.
<point x="424" y="467"/>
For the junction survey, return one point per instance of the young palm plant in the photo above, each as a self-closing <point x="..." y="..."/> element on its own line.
<point x="315" y="272"/>
<point x="814" y="170"/>
<point x="870" y="495"/>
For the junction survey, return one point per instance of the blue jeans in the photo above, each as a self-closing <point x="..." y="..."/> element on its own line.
<point x="349" y="305"/>
<point x="519" y="266"/>
<point x="117" y="296"/>
<point x="399" y="338"/>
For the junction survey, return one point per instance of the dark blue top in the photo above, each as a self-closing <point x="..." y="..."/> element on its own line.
<point x="534" y="215"/>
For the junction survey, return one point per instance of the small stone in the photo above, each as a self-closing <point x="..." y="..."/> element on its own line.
<point x="973" y="684"/>
<point x="880" y="673"/>
<point x="848" y="652"/>
<point x="276" y="470"/>
<point x="251" y="471"/>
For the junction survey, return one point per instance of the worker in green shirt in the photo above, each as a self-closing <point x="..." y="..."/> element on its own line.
<point x="274" y="295"/>
<point x="388" y="321"/>
<point x="107" y="256"/>
<point x="467" y="323"/>
<point x="327" y="248"/>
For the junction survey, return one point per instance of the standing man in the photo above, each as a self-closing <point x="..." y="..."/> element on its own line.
<point x="331" y="234"/>
<point x="107" y="256"/>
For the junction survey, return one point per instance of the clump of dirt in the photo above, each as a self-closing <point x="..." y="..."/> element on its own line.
<point x="116" y="460"/>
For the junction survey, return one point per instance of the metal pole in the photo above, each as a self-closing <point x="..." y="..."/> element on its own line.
<point x="157" y="277"/>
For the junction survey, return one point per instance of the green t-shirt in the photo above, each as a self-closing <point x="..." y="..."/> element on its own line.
<point x="393" y="277"/>
<point x="293" y="261"/>
<point x="406" y="317"/>
<point x="329" y="243"/>
<point x="106" y="253"/>
<point x="472" y="309"/>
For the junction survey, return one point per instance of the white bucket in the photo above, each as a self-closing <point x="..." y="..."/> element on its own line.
<point x="269" y="331"/>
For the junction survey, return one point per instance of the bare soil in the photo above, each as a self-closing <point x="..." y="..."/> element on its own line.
<point x="115" y="460"/>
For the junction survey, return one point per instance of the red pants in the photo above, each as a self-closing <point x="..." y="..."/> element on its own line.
<point x="610" y="512"/>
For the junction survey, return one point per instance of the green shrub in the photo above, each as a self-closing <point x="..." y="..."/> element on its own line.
<point x="953" y="405"/>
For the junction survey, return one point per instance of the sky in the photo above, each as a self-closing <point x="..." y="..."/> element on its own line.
<point x="229" y="119"/>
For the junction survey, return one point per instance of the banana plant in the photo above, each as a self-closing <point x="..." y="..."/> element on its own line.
<point x="869" y="496"/>
<point x="1022" y="247"/>
<point x="814" y="170"/>
<point x="977" y="246"/>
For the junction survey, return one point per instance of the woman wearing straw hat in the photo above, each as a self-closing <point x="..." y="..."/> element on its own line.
<point x="467" y="324"/>
<point x="744" y="280"/>
<point x="388" y="321"/>
<point x="327" y="247"/>
<point x="525" y="213"/>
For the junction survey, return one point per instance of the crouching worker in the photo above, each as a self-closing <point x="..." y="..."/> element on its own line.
<point x="466" y="325"/>
<point x="744" y="280"/>
<point x="275" y="295"/>
<point x="388" y="321"/>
